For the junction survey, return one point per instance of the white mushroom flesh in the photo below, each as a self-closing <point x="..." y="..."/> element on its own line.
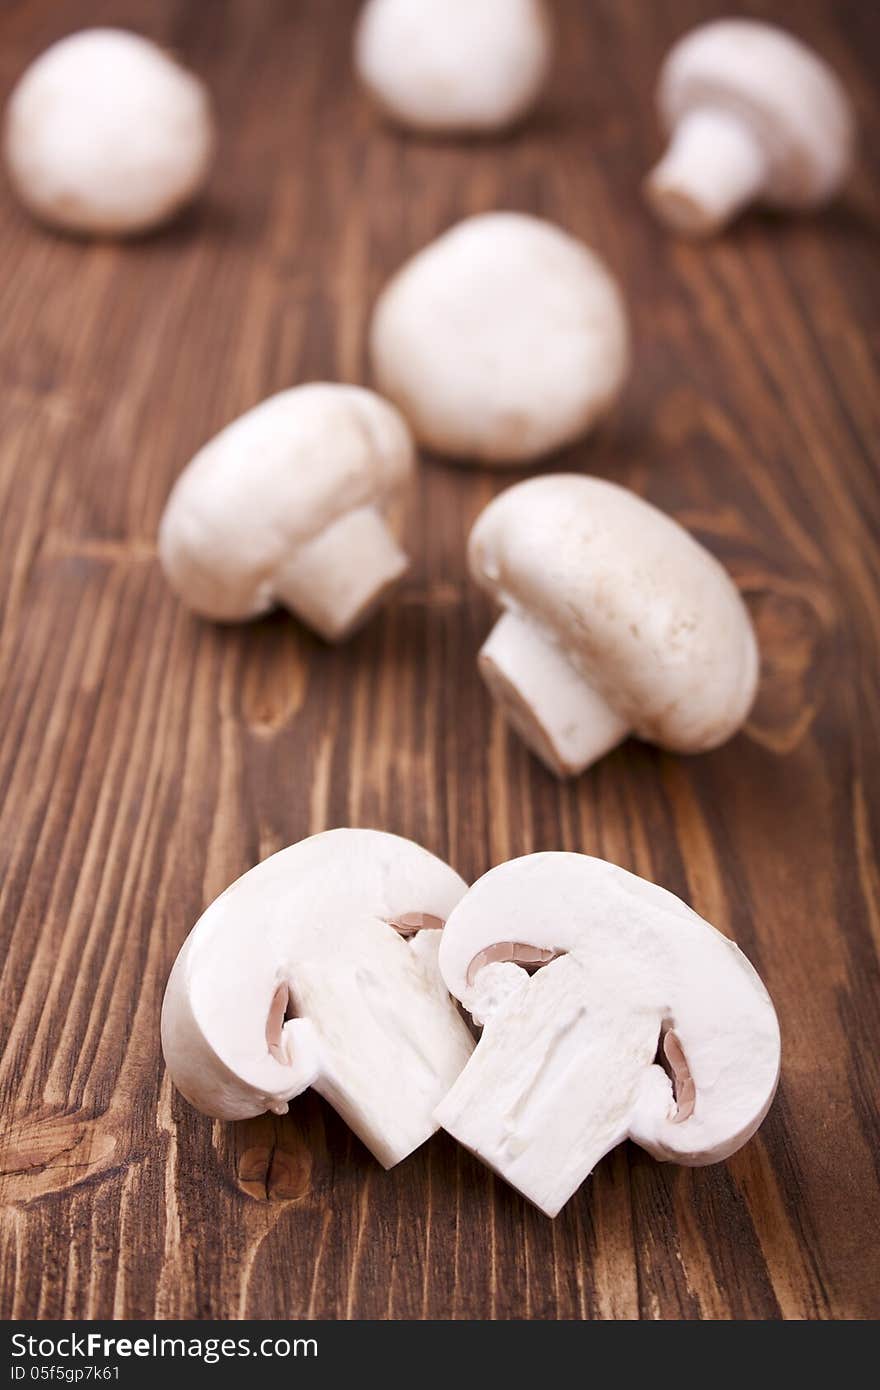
<point x="567" y="1066"/>
<point x="294" y="977"/>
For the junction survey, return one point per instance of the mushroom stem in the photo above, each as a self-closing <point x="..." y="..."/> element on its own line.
<point x="551" y="1085"/>
<point x="713" y="168"/>
<point x="336" y="581"/>
<point x="565" y="722"/>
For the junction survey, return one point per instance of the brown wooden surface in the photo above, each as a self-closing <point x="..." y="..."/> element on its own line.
<point x="147" y="759"/>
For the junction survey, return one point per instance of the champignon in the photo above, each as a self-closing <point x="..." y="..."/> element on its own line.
<point x="645" y="1023"/>
<point x="754" y="116"/>
<point x="459" y="66"/>
<point x="501" y="341"/>
<point x="616" y="621"/>
<point x="298" y="976"/>
<point x="107" y="135"/>
<point x="294" y="503"/>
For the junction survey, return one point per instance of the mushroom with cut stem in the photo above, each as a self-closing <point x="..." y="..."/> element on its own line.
<point x="754" y="116"/>
<point x="616" y="621"/>
<point x="454" y="66"/>
<point x="106" y="135"/>
<point x="300" y="974"/>
<point x="643" y="1022"/>
<point x="294" y="503"/>
<point x="503" y="340"/>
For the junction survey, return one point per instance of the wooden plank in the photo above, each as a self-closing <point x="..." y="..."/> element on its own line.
<point x="146" y="759"/>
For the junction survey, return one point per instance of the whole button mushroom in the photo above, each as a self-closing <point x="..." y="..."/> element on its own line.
<point x="301" y="974"/>
<point x="616" y="621"/>
<point x="501" y="341"/>
<point x="642" y="1022"/>
<point x="754" y="116"/>
<point x="458" y="66"/>
<point x="294" y="503"/>
<point x="107" y="135"/>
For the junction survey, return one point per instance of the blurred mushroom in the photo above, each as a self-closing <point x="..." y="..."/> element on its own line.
<point x="292" y="504"/>
<point x="501" y="341"/>
<point x="107" y="135"/>
<point x="754" y="116"/>
<point x="471" y="66"/>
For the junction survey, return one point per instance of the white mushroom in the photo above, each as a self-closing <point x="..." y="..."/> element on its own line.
<point x="298" y="975"/>
<point x="294" y="503"/>
<point x="616" y="621"/>
<point x="107" y="135"/>
<point x="754" y="116"/>
<point x="470" y="66"/>
<point x="645" y="1024"/>
<point x="501" y="341"/>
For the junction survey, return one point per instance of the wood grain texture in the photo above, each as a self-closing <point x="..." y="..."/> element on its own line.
<point x="147" y="759"/>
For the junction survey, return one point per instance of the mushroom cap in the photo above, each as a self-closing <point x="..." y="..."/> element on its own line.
<point x="663" y="958"/>
<point x="106" y="134"/>
<point x="267" y="484"/>
<point x="501" y="341"/>
<point x="458" y="65"/>
<point x="788" y="96"/>
<point x="315" y="917"/>
<point x="650" y="619"/>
